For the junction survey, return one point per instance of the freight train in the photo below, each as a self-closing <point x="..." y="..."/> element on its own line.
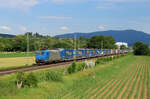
<point x="51" y="56"/>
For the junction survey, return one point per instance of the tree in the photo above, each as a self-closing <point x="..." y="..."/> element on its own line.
<point x="2" y="46"/>
<point x="19" y="43"/>
<point x="60" y="43"/>
<point x="140" y="48"/>
<point x="109" y="42"/>
<point x="48" y="43"/>
<point x="123" y="47"/>
<point x="101" y="42"/>
<point x="96" y="42"/>
<point x="83" y="42"/>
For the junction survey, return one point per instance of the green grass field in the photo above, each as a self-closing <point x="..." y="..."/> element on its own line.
<point x="16" y="59"/>
<point x="124" y="78"/>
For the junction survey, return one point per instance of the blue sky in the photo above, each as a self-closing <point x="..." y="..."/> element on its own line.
<point x="53" y="17"/>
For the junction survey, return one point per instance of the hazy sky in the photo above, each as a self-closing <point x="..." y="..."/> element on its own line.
<point x="55" y="17"/>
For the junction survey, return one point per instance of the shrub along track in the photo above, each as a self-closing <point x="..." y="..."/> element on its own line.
<point x="133" y="83"/>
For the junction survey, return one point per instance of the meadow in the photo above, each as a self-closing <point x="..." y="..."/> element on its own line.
<point x="16" y="59"/>
<point x="124" y="78"/>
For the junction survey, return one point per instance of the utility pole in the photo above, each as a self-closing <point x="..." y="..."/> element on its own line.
<point x="27" y="48"/>
<point x="35" y="41"/>
<point x="101" y="44"/>
<point x="75" y="46"/>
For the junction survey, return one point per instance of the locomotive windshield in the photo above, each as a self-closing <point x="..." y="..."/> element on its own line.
<point x="40" y="52"/>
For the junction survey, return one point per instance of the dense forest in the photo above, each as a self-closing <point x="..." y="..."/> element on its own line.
<point x="36" y="41"/>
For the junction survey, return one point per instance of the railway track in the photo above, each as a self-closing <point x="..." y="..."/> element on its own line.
<point x="32" y="68"/>
<point x="38" y="67"/>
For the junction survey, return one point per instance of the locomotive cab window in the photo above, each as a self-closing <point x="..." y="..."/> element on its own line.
<point x="42" y="53"/>
<point x="47" y="53"/>
<point x="38" y="53"/>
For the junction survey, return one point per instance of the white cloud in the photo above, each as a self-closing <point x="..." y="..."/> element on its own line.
<point x="100" y="28"/>
<point x="5" y="28"/>
<point x="64" y="28"/>
<point x="23" y="28"/>
<point x="21" y="4"/>
<point x="55" y="17"/>
<point x="106" y="6"/>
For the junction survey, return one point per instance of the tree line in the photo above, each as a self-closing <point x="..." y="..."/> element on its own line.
<point x="37" y="42"/>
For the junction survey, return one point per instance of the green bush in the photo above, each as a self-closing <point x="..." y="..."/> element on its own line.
<point x="97" y="61"/>
<point x="53" y="76"/>
<point x="111" y="58"/>
<point x="72" y="68"/>
<point x="100" y="61"/>
<point x="80" y="66"/>
<point x="104" y="60"/>
<point x="122" y="55"/>
<point x="20" y="77"/>
<point x="115" y="57"/>
<point x="30" y="80"/>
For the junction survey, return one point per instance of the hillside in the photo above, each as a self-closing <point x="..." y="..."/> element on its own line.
<point x="129" y="36"/>
<point x="6" y="35"/>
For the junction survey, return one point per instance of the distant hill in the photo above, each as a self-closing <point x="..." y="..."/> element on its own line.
<point x="6" y="35"/>
<point x="129" y="36"/>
